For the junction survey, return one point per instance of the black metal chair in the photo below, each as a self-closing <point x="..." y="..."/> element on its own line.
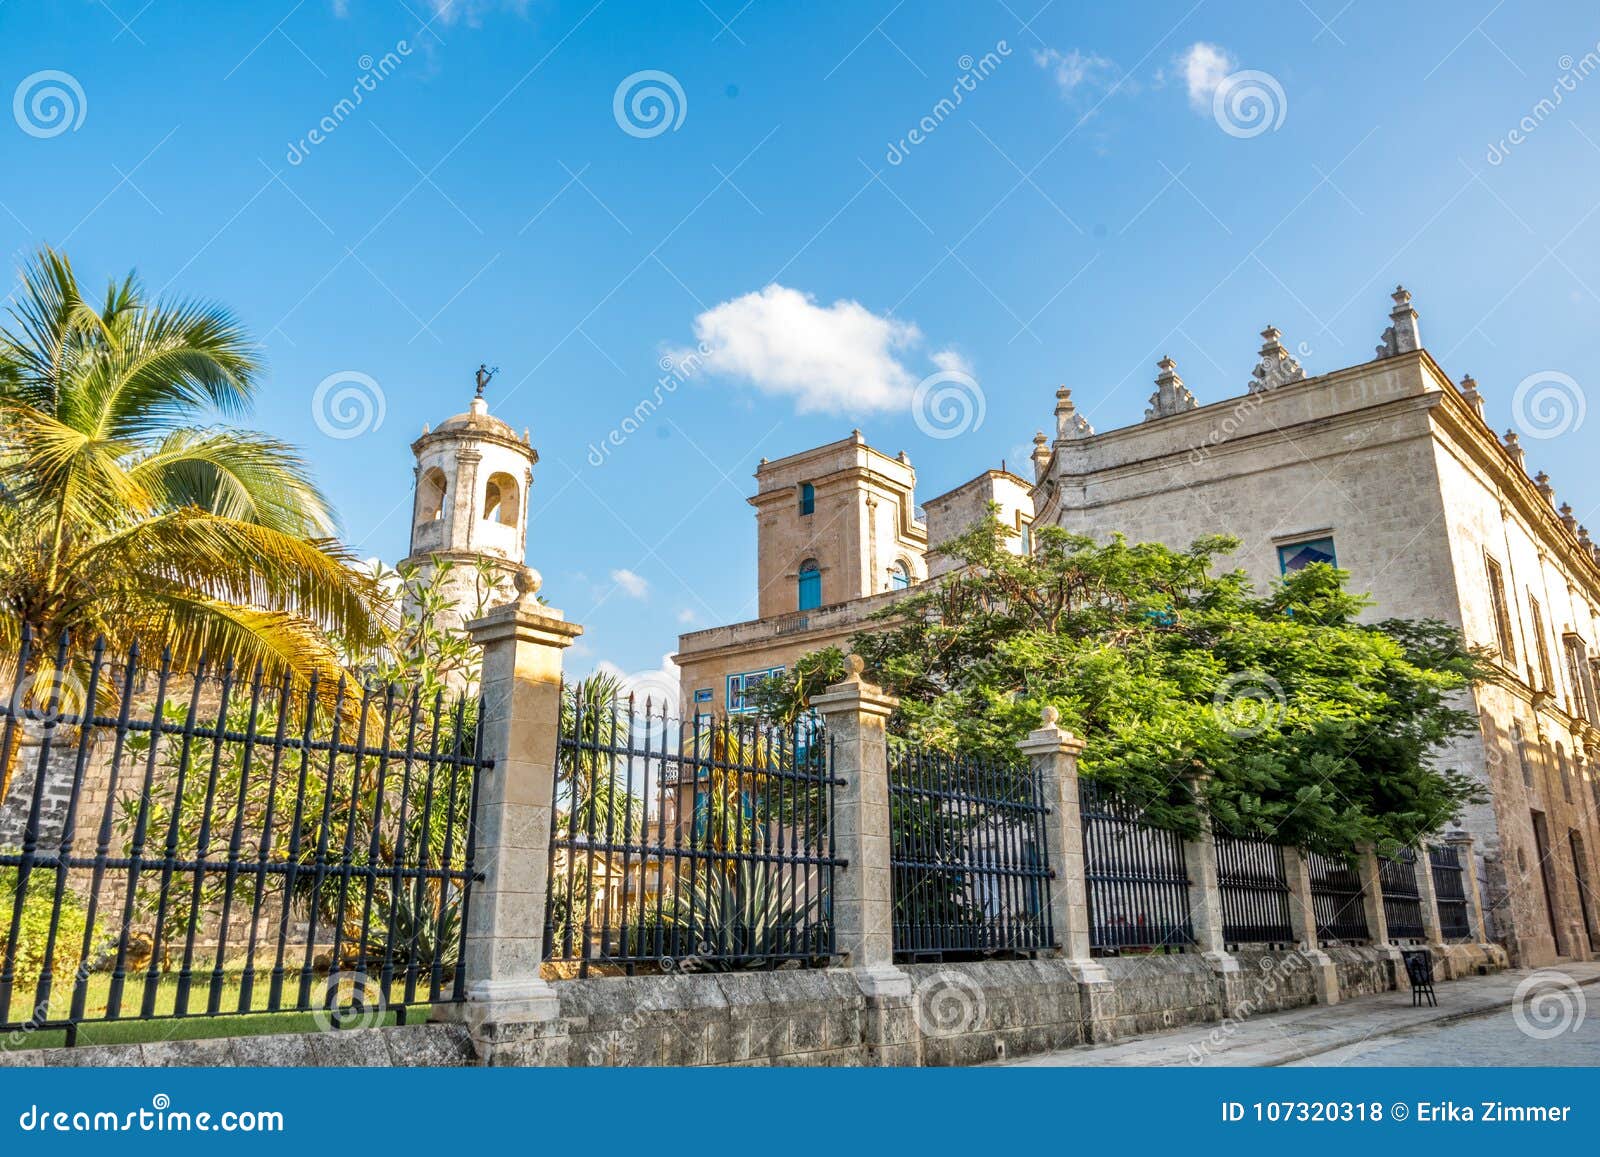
<point x="1419" y="970"/>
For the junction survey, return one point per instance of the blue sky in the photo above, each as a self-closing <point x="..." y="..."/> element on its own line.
<point x="1082" y="211"/>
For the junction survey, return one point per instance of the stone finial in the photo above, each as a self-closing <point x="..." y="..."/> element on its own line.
<point x="1567" y="519"/>
<point x="1040" y="455"/>
<point x="1069" y="423"/>
<point x="903" y="458"/>
<point x="1513" y="444"/>
<point x="854" y="665"/>
<point x="1171" y="396"/>
<point x="1469" y="391"/>
<point x="1277" y="366"/>
<point x="1584" y="540"/>
<point x="1403" y="335"/>
<point x="427" y="427"/>
<point x="527" y="581"/>
<point x="1049" y="717"/>
<point x="1541" y="482"/>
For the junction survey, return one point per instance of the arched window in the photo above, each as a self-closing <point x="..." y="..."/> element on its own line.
<point x="899" y="576"/>
<point x="808" y="498"/>
<point x="500" y="500"/>
<point x="430" y="495"/>
<point x="810" y="585"/>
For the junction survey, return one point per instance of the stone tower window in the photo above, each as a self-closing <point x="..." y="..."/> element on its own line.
<point x="501" y="500"/>
<point x="808" y="498"/>
<point x="1501" y="609"/>
<point x="430" y="495"/>
<point x="810" y="586"/>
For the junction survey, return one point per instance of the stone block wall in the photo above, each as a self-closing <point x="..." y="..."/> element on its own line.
<point x="957" y="1014"/>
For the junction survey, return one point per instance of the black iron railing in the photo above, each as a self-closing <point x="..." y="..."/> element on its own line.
<point x="1138" y="883"/>
<point x="967" y="855"/>
<point x="1450" y="887"/>
<point x="1337" y="899"/>
<point x="700" y="844"/>
<point x="1402" y="899"/>
<point x="1254" y="891"/>
<point x="215" y="842"/>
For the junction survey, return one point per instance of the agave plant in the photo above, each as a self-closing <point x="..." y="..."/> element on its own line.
<point x="741" y="916"/>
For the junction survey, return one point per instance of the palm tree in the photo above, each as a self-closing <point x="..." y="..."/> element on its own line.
<point x="125" y="511"/>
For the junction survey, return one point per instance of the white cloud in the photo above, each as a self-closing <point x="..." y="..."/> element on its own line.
<point x="687" y="616"/>
<point x="632" y="584"/>
<point x="835" y="359"/>
<point x="1076" y="70"/>
<point x="952" y="362"/>
<point x="1204" y="66"/>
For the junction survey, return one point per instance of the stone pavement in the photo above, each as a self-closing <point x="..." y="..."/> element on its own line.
<point x="1304" y="1035"/>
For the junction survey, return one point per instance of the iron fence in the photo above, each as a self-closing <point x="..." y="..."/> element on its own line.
<point x="211" y="842"/>
<point x="698" y="844"/>
<point x="967" y="858"/>
<point x="1254" y="891"/>
<point x="1337" y="899"/>
<point x="1138" y="883"/>
<point x="1402" y="899"/>
<point x="1449" y="886"/>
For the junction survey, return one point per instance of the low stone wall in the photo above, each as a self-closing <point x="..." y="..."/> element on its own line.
<point x="410" y="1046"/>
<point x="954" y="1014"/>
<point x="1363" y="970"/>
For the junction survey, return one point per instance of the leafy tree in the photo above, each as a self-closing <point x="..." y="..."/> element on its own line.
<point x="1309" y="725"/>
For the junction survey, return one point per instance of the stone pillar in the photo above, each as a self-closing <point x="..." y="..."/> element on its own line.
<point x="510" y="1008"/>
<point x="1462" y="843"/>
<point x="1433" y="934"/>
<point x="1205" y="904"/>
<point x="1303" y="922"/>
<point x="854" y="713"/>
<point x="1052" y="753"/>
<point x="1377" y="921"/>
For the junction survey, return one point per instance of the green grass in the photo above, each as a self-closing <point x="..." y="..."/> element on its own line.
<point x="193" y="1023"/>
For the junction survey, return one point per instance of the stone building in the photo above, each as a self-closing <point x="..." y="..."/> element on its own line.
<point x="473" y="475"/>
<point x="1390" y="472"/>
<point x="838" y="536"/>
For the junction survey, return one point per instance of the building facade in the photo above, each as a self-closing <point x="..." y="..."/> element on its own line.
<point x="1389" y="471"/>
<point x="838" y="536"/>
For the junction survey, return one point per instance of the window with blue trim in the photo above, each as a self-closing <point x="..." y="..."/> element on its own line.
<point x="808" y="498"/>
<point x="900" y="576"/>
<point x="739" y="686"/>
<point x="1299" y="555"/>
<point x="809" y="586"/>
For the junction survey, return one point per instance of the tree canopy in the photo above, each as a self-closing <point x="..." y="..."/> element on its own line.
<point x="1302" y="722"/>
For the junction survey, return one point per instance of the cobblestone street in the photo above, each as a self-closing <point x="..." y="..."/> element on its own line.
<point x="1473" y="1025"/>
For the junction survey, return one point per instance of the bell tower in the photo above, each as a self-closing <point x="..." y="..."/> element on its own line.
<point x="473" y="477"/>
